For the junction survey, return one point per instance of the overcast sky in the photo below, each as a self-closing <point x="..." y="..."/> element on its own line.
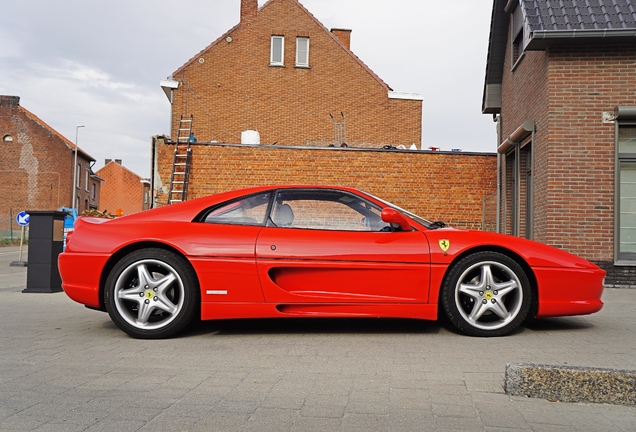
<point x="98" y="64"/>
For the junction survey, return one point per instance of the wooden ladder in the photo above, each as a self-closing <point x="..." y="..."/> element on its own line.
<point x="181" y="162"/>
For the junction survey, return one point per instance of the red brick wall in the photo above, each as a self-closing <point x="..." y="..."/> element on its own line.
<point x="525" y="97"/>
<point x="36" y="168"/>
<point x="230" y="88"/>
<point x="584" y="83"/>
<point x="435" y="185"/>
<point x="122" y="189"/>
<point x="566" y="90"/>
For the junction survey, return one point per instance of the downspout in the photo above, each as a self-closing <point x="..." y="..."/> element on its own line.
<point x="498" y="212"/>
<point x="153" y="146"/>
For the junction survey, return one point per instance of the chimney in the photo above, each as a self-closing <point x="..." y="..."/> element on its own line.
<point x="107" y="161"/>
<point x="10" y="100"/>
<point x="118" y="161"/>
<point x="343" y="36"/>
<point x="248" y="9"/>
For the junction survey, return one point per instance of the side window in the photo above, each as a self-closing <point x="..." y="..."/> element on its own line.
<point x="246" y="211"/>
<point x="326" y="210"/>
<point x="302" y="52"/>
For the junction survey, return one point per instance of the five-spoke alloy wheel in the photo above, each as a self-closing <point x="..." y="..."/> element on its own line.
<point x="486" y="294"/>
<point x="151" y="293"/>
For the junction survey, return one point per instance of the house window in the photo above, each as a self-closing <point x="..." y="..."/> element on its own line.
<point x="626" y="194"/>
<point x="79" y="174"/>
<point x="7" y="139"/>
<point x="86" y="177"/>
<point x="93" y="192"/>
<point x="520" y="190"/>
<point x="302" y="52"/>
<point x="277" y="54"/>
<point x="517" y="35"/>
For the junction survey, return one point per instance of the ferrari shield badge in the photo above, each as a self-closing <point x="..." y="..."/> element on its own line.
<point x="444" y="245"/>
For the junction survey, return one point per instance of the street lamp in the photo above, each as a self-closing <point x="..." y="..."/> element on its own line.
<point x="75" y="173"/>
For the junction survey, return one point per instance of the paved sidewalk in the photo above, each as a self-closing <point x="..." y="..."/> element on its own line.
<point x="66" y="368"/>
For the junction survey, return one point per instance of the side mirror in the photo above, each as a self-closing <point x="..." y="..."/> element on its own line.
<point x="393" y="216"/>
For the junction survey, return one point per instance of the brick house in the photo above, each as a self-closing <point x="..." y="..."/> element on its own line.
<point x="560" y="82"/>
<point x="37" y="166"/>
<point x="281" y="73"/>
<point x="123" y="191"/>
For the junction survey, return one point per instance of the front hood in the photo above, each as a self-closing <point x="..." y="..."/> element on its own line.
<point x="534" y="253"/>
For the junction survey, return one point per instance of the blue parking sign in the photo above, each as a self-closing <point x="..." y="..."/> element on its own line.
<point x="22" y="218"/>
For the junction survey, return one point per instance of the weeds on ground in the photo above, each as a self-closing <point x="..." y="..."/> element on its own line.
<point x="9" y="242"/>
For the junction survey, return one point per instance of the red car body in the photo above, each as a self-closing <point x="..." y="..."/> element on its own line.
<point x="248" y="270"/>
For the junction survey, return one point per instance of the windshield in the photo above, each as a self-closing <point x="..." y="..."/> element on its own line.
<point x="421" y="220"/>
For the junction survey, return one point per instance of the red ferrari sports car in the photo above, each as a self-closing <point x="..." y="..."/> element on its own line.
<point x="314" y="251"/>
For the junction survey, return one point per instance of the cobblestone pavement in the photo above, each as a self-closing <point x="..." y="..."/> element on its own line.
<point x="66" y="368"/>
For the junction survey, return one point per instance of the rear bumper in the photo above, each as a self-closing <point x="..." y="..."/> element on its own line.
<point x="81" y="275"/>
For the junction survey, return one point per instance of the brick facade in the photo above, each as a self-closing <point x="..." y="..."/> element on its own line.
<point x="566" y="90"/>
<point x="123" y="191"/>
<point x="36" y="166"/>
<point x="437" y="185"/>
<point x="230" y="87"/>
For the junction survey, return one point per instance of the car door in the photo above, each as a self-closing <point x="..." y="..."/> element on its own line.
<point x="330" y="246"/>
<point x="221" y="248"/>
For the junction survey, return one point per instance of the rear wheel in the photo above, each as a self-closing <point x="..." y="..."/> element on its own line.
<point x="486" y="294"/>
<point x="152" y="293"/>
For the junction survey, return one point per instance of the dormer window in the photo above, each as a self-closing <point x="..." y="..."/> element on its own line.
<point x="277" y="54"/>
<point x="517" y="35"/>
<point x="7" y="139"/>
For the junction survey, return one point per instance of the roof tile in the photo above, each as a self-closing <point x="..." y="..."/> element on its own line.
<point x="579" y="14"/>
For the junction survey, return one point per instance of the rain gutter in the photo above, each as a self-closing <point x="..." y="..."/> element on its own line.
<point x="542" y="38"/>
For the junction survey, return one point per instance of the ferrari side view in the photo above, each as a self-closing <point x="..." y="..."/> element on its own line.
<point x="314" y="251"/>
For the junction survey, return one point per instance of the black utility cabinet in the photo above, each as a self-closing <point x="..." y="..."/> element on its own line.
<point x="46" y="240"/>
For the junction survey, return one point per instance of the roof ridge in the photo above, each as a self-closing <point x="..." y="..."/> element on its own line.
<point x="313" y="17"/>
<point x="121" y="166"/>
<point x="45" y="125"/>
<point x="339" y="42"/>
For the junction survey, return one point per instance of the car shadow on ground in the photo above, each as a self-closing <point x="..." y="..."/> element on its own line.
<point x="558" y="324"/>
<point x="313" y="326"/>
<point x="378" y="326"/>
<point x="364" y="326"/>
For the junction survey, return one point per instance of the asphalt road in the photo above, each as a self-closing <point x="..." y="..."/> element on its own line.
<point x="66" y="368"/>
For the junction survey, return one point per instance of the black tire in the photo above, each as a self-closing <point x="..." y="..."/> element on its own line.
<point x="486" y="294"/>
<point x="152" y="294"/>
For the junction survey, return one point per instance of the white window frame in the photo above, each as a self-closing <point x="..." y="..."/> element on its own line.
<point x="276" y="61"/>
<point x="86" y="179"/>
<point x="621" y="258"/>
<point x="302" y="62"/>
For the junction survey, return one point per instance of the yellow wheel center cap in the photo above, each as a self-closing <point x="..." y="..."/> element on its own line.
<point x="149" y="294"/>
<point x="488" y="295"/>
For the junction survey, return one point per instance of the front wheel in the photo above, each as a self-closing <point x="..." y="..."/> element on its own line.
<point x="151" y="294"/>
<point x="486" y="294"/>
